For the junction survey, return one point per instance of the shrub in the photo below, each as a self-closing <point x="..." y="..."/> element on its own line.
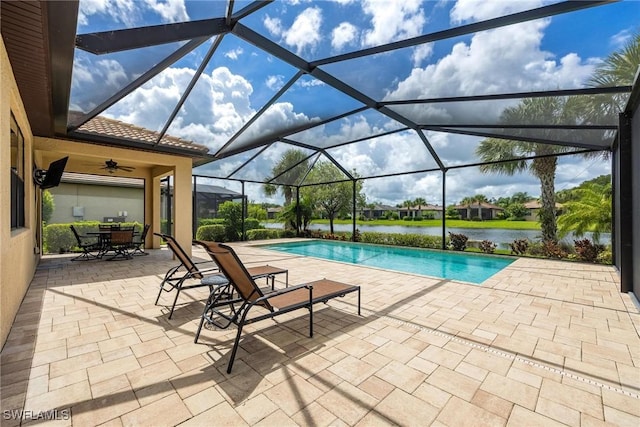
<point x="392" y="215"/>
<point x="407" y="218"/>
<point x="252" y="224"/>
<point x="429" y="215"/>
<point x="476" y="218"/>
<point x="457" y="241"/>
<point x="586" y="250"/>
<point x="231" y="212"/>
<point x="397" y="239"/>
<point x="210" y="221"/>
<point x="605" y="256"/>
<point x="417" y="218"/>
<point x="488" y="247"/>
<point x="212" y="233"/>
<point x="58" y="238"/>
<point x="264" y="233"/>
<point x="554" y="250"/>
<point x="519" y="246"/>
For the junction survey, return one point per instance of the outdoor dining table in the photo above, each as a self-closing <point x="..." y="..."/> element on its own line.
<point x="105" y="243"/>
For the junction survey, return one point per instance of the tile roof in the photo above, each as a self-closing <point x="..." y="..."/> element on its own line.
<point x="106" y="127"/>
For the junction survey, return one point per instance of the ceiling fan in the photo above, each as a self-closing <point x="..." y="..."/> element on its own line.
<point x="112" y="166"/>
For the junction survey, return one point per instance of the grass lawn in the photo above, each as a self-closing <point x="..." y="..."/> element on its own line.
<point x="456" y="223"/>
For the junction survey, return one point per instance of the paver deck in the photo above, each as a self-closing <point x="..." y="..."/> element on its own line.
<point x="540" y="343"/>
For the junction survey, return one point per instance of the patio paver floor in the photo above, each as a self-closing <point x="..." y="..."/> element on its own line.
<point x="540" y="343"/>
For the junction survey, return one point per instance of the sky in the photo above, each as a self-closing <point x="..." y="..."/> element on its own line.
<point x="560" y="52"/>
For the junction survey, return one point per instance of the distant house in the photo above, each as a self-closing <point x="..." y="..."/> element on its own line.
<point x="482" y="210"/>
<point x="378" y="211"/>
<point x="272" y="213"/>
<point x="423" y="211"/>
<point x="533" y="209"/>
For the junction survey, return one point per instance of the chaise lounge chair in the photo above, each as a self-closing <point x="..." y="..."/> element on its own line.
<point x="249" y="296"/>
<point x="182" y="276"/>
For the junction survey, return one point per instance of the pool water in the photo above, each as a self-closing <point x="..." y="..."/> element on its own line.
<point x="473" y="268"/>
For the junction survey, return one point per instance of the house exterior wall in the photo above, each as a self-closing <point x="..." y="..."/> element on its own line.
<point x="18" y="257"/>
<point x="97" y="201"/>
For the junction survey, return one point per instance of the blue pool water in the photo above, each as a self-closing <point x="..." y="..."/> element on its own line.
<point x="472" y="268"/>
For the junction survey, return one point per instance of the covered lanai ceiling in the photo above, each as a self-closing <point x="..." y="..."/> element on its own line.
<point x="379" y="88"/>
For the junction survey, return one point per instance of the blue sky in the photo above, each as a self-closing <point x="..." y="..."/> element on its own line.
<point x="555" y="53"/>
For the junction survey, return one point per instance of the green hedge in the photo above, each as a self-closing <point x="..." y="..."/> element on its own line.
<point x="58" y="238"/>
<point x="269" y="233"/>
<point x="396" y="239"/>
<point x="252" y="224"/>
<point x="211" y="233"/>
<point x="210" y="221"/>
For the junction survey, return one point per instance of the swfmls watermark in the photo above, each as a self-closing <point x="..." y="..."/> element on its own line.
<point x="29" y="415"/>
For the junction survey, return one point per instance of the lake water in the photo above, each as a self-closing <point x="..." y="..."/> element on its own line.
<point x="500" y="236"/>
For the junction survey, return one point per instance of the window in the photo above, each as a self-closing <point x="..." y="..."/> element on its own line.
<point x="17" y="175"/>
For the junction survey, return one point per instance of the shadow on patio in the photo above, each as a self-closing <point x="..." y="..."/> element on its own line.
<point x="88" y="337"/>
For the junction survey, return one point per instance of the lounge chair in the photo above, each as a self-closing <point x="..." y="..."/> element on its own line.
<point x="181" y="276"/>
<point x="87" y="244"/>
<point x="250" y="295"/>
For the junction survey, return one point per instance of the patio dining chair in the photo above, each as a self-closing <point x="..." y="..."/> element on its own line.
<point x="120" y="243"/>
<point x="236" y="310"/>
<point x="139" y="241"/>
<point x="87" y="244"/>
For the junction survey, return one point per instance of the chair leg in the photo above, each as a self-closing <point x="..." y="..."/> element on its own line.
<point x="84" y="256"/>
<point x="237" y="341"/>
<point x="159" y="292"/>
<point x="175" y="300"/>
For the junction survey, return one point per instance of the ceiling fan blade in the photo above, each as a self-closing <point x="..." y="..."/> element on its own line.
<point x="126" y="168"/>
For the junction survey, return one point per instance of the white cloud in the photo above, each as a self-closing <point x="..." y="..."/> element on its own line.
<point x="421" y="53"/>
<point x="402" y="19"/>
<point x="273" y="25"/>
<point x="275" y="82"/>
<point x="343" y="35"/>
<point x="310" y="83"/>
<point x="305" y="31"/>
<point x="131" y="12"/>
<point x="234" y="53"/>
<point x="478" y="10"/>
<point x="169" y="10"/>
<point x="620" y="39"/>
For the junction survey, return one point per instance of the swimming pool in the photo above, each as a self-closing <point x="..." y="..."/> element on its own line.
<point x="474" y="268"/>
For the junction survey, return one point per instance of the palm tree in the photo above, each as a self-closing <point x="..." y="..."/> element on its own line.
<point x="292" y="166"/>
<point x="469" y="201"/>
<point x="590" y="211"/>
<point x="532" y="110"/>
<point x="618" y="69"/>
<point x="407" y="204"/>
<point x="419" y="202"/>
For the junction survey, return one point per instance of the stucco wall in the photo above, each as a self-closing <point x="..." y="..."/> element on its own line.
<point x="98" y="201"/>
<point x="17" y="258"/>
